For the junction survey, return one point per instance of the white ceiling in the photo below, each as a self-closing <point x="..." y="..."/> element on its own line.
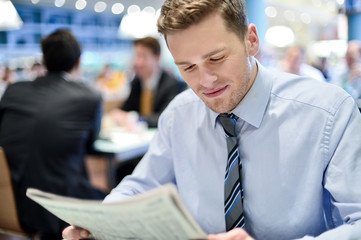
<point x="69" y="4"/>
<point x="322" y="13"/>
<point x="320" y="6"/>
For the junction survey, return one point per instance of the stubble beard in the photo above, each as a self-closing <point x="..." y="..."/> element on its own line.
<point x="226" y="105"/>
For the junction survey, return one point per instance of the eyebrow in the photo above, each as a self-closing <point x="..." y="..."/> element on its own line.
<point x="203" y="57"/>
<point x="213" y="52"/>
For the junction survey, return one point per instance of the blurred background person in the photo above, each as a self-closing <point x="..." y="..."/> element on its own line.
<point x="323" y="66"/>
<point x="3" y="84"/>
<point x="152" y="87"/>
<point x="37" y="70"/>
<point x="46" y="128"/>
<point x="294" y="62"/>
<point x="349" y="76"/>
<point x="30" y="73"/>
<point x="7" y="77"/>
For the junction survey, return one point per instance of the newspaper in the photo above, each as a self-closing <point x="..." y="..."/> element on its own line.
<point x="157" y="214"/>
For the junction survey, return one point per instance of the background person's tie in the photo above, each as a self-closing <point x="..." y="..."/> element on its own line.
<point x="233" y="189"/>
<point x="146" y="102"/>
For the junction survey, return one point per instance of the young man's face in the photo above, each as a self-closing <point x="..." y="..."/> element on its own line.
<point x="145" y="61"/>
<point x="352" y="54"/>
<point x="215" y="62"/>
<point x="294" y="59"/>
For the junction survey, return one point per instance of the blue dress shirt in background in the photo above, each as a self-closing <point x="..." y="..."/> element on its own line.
<point x="300" y="145"/>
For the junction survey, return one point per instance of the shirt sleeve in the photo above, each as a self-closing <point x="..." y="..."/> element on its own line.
<point x="155" y="168"/>
<point x="342" y="177"/>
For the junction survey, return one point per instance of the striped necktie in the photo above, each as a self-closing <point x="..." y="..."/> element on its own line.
<point x="233" y="189"/>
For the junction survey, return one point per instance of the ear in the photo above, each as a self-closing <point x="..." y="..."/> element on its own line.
<point x="157" y="58"/>
<point x="252" y="40"/>
<point x="77" y="65"/>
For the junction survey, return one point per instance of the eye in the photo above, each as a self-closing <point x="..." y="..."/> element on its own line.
<point x="189" y="68"/>
<point x="217" y="59"/>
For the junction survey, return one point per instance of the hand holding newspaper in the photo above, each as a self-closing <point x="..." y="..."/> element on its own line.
<point x="157" y="214"/>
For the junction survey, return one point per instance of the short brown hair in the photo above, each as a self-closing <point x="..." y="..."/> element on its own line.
<point x="149" y="42"/>
<point x="180" y="14"/>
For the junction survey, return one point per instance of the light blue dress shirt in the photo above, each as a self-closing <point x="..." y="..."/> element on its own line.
<point x="300" y="145"/>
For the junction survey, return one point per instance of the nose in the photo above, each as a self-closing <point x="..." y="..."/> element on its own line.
<point x="207" y="78"/>
<point x="138" y="61"/>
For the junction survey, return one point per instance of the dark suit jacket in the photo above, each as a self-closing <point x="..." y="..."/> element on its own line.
<point x="168" y="87"/>
<point x="45" y="127"/>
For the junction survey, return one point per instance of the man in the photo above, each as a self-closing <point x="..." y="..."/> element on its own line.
<point x="46" y="127"/>
<point x="349" y="78"/>
<point x="7" y="77"/>
<point x="294" y="62"/>
<point x="293" y="143"/>
<point x="152" y="88"/>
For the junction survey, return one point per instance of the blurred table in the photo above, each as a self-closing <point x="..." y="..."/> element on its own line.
<point x="123" y="144"/>
<point x="119" y="145"/>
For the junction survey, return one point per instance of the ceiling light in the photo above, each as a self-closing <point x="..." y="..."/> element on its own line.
<point x="340" y="2"/>
<point x="35" y="1"/>
<point x="280" y="36"/>
<point x="9" y="17"/>
<point x="271" y="12"/>
<point x="80" y="4"/>
<point x="100" y="7"/>
<point x="133" y="9"/>
<point x="138" y="24"/>
<point x="117" y="8"/>
<point x="306" y="18"/>
<point x="328" y="48"/>
<point x="290" y="15"/>
<point x="149" y="10"/>
<point x="59" y="3"/>
<point x="331" y="6"/>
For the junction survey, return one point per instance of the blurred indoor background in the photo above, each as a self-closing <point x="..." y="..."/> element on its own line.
<point x="106" y="29"/>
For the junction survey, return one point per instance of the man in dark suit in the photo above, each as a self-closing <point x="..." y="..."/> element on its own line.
<point x="152" y="87"/>
<point x="46" y="128"/>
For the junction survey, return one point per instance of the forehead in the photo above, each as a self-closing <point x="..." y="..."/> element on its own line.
<point x="200" y="38"/>
<point x="142" y="49"/>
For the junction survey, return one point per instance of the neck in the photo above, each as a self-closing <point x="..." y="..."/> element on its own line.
<point x="254" y="71"/>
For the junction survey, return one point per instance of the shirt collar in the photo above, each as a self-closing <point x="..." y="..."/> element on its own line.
<point x="152" y="82"/>
<point x="66" y="76"/>
<point x="253" y="106"/>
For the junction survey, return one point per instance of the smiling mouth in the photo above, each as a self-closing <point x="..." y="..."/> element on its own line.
<point x="215" y="92"/>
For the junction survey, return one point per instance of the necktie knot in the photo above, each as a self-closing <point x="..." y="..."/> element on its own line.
<point x="228" y="121"/>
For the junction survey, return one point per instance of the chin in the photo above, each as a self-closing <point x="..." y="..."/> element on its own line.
<point x="220" y="109"/>
<point x="220" y="105"/>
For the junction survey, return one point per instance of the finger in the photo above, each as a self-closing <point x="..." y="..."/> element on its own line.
<point x="235" y="234"/>
<point x="73" y="233"/>
<point x="217" y="236"/>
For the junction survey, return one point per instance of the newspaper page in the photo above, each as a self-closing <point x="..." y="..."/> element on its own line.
<point x="157" y="214"/>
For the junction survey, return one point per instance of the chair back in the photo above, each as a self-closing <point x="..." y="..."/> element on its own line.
<point x="8" y="213"/>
